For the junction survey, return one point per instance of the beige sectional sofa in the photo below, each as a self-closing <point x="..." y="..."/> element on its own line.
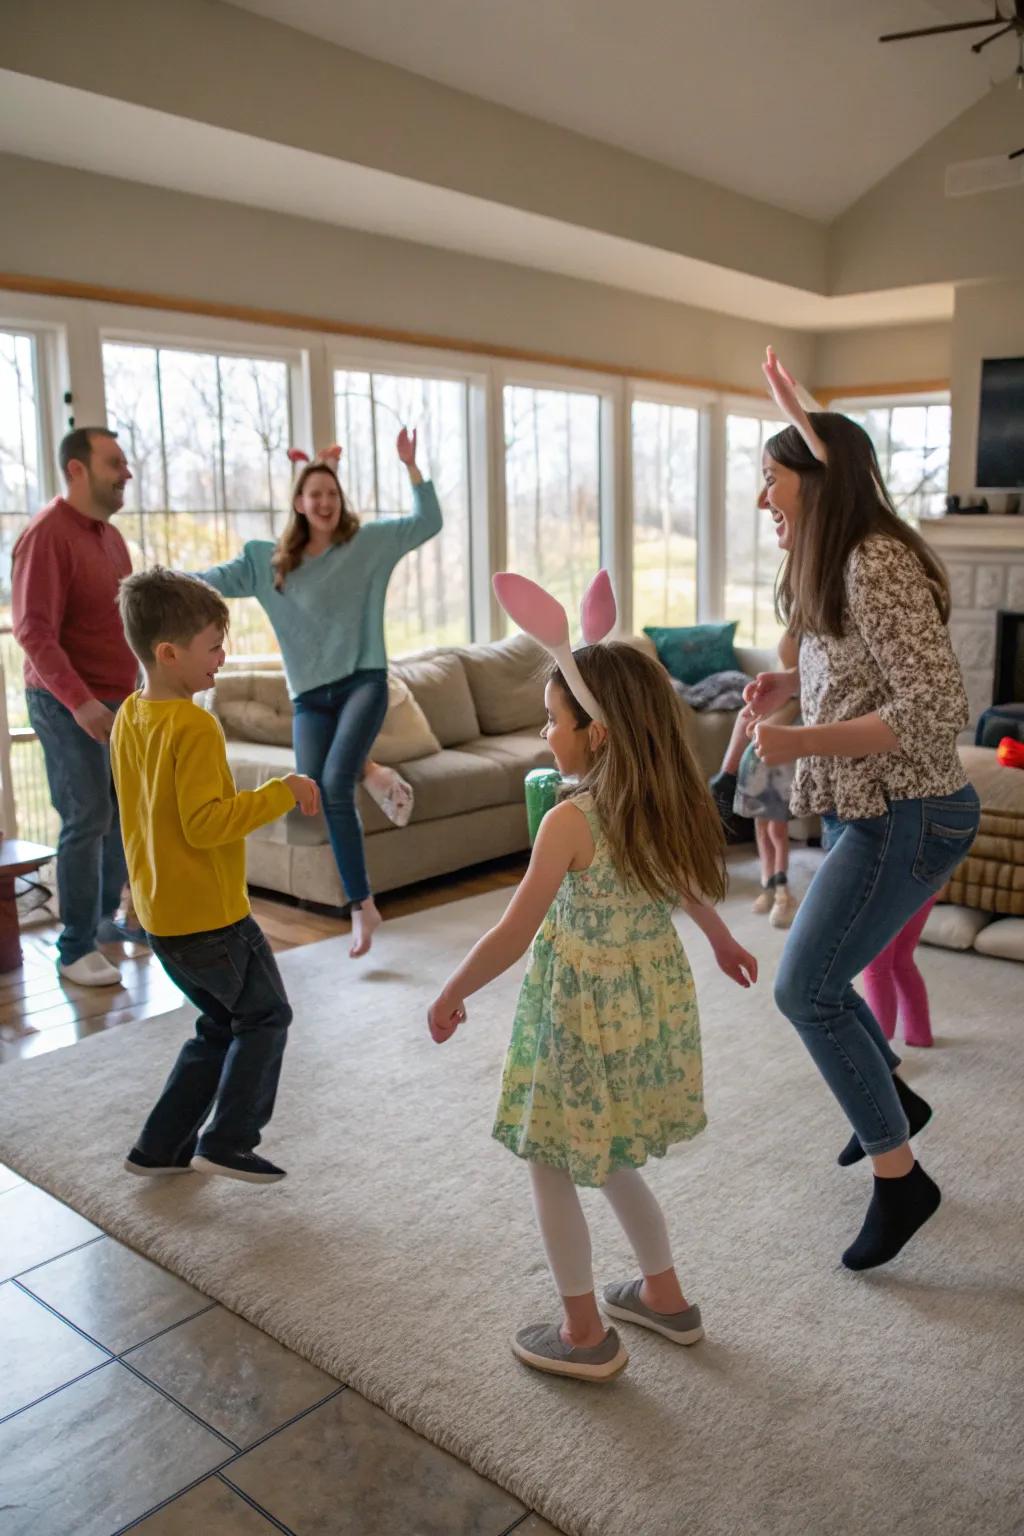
<point x="463" y="727"/>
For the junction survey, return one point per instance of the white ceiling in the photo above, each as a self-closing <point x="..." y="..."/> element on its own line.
<point x="66" y="126"/>
<point x="791" y="101"/>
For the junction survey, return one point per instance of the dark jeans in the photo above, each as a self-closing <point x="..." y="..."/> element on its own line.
<point x="90" y="857"/>
<point x="878" y="873"/>
<point x="334" y="728"/>
<point x="234" y="1057"/>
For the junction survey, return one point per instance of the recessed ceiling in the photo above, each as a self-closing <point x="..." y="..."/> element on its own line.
<point x="791" y="101"/>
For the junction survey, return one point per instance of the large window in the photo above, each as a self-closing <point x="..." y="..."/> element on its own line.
<point x="751" y="551"/>
<point x="21" y="492"/>
<point x="428" y="600"/>
<point x="666" y="442"/>
<point x="912" y="443"/>
<point x="553" y="489"/>
<point x="206" y="436"/>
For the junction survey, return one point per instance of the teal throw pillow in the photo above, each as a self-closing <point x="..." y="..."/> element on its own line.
<point x="694" y="653"/>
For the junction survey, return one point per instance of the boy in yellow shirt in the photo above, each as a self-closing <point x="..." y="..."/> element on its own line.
<point x="184" y="826"/>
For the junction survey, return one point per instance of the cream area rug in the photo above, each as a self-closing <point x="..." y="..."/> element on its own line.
<point x="401" y="1252"/>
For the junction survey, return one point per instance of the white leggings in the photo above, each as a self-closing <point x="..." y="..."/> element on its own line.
<point x="566" y="1237"/>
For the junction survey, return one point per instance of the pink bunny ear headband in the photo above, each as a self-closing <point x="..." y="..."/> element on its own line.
<point x="539" y="614"/>
<point x="330" y="456"/>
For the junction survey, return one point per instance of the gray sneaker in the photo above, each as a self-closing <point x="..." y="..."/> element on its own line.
<point x="623" y="1300"/>
<point x="541" y="1346"/>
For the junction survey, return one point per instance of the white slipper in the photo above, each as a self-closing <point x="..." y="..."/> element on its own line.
<point x="395" y="797"/>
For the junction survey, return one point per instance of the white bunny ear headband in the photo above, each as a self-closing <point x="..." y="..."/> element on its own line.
<point x="539" y="614"/>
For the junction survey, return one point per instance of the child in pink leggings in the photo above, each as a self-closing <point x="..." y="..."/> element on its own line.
<point x="892" y="982"/>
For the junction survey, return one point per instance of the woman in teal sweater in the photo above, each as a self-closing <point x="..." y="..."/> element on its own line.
<point x="323" y="587"/>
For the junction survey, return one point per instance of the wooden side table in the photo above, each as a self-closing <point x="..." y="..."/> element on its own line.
<point x="16" y="858"/>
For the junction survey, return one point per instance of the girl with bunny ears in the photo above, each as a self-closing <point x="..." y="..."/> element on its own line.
<point x="323" y="586"/>
<point x="604" y="1067"/>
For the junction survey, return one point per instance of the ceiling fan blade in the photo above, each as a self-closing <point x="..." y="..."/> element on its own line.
<point x="977" y="47"/>
<point x="955" y="26"/>
<point x="1016" y="154"/>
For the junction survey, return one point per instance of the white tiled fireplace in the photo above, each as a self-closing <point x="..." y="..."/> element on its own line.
<point x="985" y="559"/>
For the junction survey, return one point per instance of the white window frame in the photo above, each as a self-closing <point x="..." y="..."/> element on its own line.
<point x="733" y="405"/>
<point x="365" y="355"/>
<point x="703" y="401"/>
<point x="615" y="495"/>
<point x="847" y="403"/>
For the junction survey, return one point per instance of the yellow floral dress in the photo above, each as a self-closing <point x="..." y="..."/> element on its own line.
<point x="604" y="1066"/>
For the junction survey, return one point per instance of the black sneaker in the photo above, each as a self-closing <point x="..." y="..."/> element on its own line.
<point x="239" y="1165"/>
<point x="152" y="1167"/>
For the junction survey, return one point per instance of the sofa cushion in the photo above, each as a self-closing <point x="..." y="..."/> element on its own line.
<point x="514" y="754"/>
<point x="405" y="734"/>
<point x="439" y="686"/>
<point x="1004" y="938"/>
<point x="450" y="782"/>
<point x="954" y="927"/>
<point x="694" y="652"/>
<point x="506" y="680"/>
<point x="444" y="784"/>
<point x="254" y="706"/>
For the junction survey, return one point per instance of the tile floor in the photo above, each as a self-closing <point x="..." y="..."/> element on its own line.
<point x="131" y="1402"/>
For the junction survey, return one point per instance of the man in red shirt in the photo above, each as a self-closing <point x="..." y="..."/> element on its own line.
<point x="66" y="568"/>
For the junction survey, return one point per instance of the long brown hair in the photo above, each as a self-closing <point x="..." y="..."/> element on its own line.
<point x="662" y="827"/>
<point x="295" y="537"/>
<point x="842" y="503"/>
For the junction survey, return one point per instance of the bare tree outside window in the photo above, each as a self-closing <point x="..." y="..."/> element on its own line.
<point x="912" y="443"/>
<point x="553" y="488"/>
<point x="666" y="442"/>
<point x="428" y="600"/>
<point x="206" y="436"/>
<point x="752" y="555"/>
<point x="20" y="486"/>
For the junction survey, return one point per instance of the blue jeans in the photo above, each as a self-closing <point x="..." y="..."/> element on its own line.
<point x="878" y="873"/>
<point x="91" y="870"/>
<point x="334" y="728"/>
<point x="234" y="1058"/>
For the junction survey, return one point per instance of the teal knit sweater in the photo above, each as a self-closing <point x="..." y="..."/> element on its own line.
<point x="329" y="619"/>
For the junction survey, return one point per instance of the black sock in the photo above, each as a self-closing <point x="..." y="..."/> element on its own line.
<point x="898" y="1207"/>
<point x="917" y="1110"/>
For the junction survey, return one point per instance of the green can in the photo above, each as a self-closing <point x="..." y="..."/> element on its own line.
<point x="542" y="786"/>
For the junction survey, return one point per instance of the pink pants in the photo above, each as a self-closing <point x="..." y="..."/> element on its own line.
<point x="893" y="983"/>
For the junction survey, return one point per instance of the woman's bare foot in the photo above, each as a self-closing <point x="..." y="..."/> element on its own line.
<point x="365" y="922"/>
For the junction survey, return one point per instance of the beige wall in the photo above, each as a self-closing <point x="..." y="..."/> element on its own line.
<point x="988" y="322"/>
<point x="216" y="64"/>
<point x="905" y="230"/>
<point x="71" y="225"/>
<point x="887" y="355"/>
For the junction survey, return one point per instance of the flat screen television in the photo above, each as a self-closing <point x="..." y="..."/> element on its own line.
<point x="1001" y="425"/>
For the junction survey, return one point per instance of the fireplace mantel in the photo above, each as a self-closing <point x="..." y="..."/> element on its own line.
<point x="974" y="533"/>
<point x="984" y="556"/>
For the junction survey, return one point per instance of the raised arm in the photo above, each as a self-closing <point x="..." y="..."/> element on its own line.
<point x="234" y="578"/>
<point x="785" y="391"/>
<point x="425" y="520"/>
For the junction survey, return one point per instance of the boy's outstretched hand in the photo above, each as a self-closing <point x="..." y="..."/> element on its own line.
<point x="444" y="1016"/>
<point x="738" y="964"/>
<point x="306" y="792"/>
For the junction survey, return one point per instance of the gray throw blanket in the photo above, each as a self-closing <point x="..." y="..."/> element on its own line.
<point x="722" y="690"/>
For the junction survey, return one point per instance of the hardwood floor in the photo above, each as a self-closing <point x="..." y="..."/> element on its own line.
<point x="40" y="1013"/>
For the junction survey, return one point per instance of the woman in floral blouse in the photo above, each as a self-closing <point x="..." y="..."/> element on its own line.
<point x="882" y="702"/>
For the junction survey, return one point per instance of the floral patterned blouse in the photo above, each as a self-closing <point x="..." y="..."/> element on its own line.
<point x="894" y="657"/>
